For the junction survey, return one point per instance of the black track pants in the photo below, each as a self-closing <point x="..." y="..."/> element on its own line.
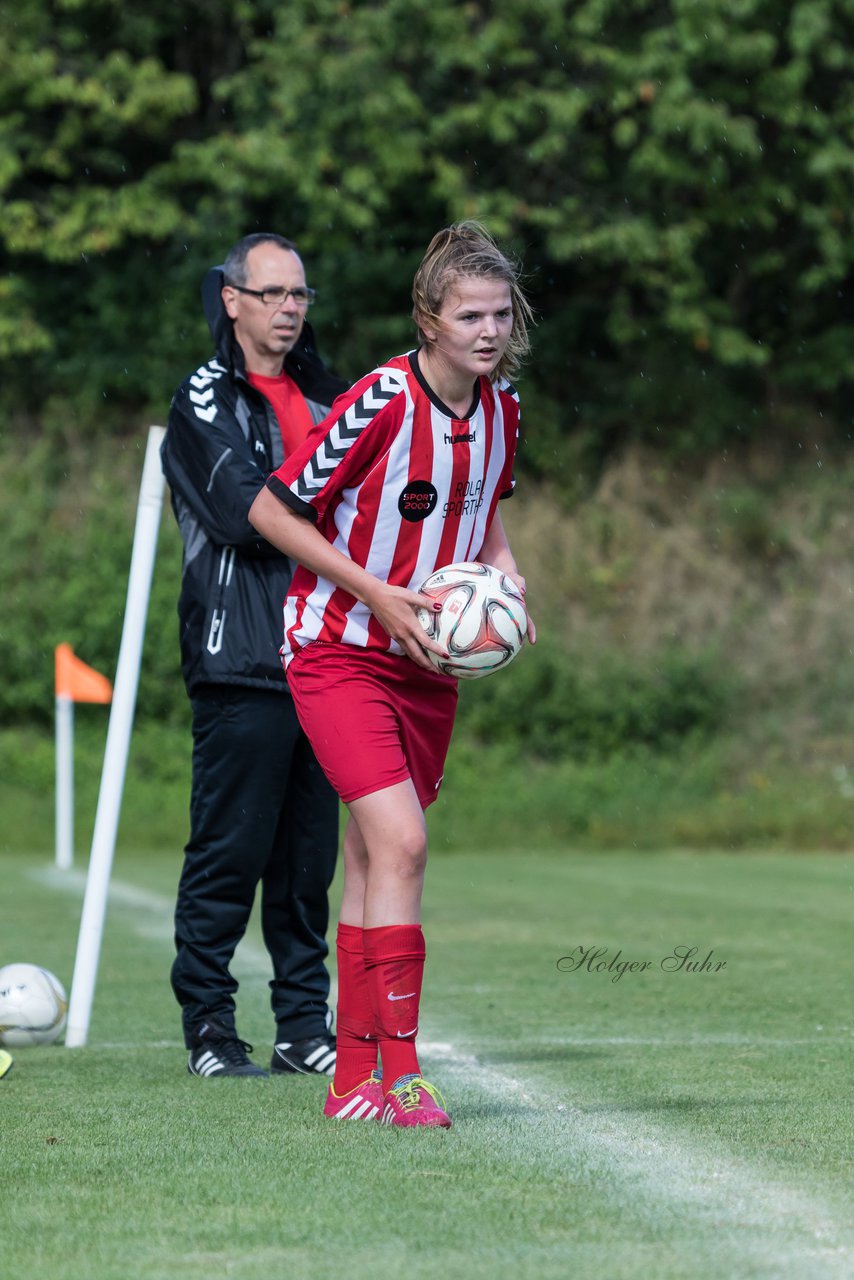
<point x="261" y="811"/>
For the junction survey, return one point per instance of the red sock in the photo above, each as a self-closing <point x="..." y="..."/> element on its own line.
<point x="394" y="960"/>
<point x="357" y="1043"/>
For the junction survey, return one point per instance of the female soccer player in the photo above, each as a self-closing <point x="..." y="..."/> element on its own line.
<point x="403" y="477"/>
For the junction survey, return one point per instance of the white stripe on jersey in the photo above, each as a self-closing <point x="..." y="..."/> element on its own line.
<point x="386" y="527"/>
<point x="467" y="549"/>
<point x="432" y="531"/>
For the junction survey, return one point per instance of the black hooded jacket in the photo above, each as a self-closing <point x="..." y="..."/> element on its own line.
<point x="222" y="441"/>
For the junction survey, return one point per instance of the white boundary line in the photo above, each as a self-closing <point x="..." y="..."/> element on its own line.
<point x="650" y="1168"/>
<point x="156" y="922"/>
<point x="657" y="1175"/>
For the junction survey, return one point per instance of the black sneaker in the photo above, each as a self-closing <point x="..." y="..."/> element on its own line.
<point x="220" y="1053"/>
<point x="308" y="1057"/>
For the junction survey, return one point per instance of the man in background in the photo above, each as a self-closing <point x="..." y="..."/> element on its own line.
<point x="261" y="809"/>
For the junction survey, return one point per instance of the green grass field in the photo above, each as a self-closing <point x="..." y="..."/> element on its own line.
<point x="655" y="1124"/>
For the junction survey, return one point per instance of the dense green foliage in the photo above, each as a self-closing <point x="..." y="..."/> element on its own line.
<point x="64" y="576"/>
<point x="553" y="710"/>
<point x="676" y="177"/>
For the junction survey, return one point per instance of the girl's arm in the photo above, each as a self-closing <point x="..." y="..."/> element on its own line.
<point x="393" y="607"/>
<point x="496" y="551"/>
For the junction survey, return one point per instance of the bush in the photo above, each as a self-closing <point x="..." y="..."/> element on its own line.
<point x="556" y="705"/>
<point x="64" y="575"/>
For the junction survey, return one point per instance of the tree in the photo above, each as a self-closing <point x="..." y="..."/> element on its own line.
<point x="676" y="176"/>
<point x="95" y="96"/>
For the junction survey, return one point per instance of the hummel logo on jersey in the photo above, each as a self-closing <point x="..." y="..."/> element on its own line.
<point x="461" y="437"/>
<point x="408" y="996"/>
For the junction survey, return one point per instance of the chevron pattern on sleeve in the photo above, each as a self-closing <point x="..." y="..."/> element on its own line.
<point x="346" y="430"/>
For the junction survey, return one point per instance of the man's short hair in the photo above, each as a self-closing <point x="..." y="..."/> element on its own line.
<point x="234" y="268"/>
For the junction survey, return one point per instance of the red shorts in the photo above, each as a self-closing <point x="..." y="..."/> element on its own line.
<point x="373" y="718"/>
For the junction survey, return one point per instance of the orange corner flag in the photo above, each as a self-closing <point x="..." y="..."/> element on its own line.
<point x="78" y="682"/>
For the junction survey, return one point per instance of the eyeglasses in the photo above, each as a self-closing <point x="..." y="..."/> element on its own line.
<point x="278" y="296"/>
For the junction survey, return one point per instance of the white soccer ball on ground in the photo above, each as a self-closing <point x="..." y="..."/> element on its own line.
<point x="33" y="1005"/>
<point x="482" y="622"/>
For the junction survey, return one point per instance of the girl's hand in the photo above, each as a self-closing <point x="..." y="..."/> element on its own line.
<point x="516" y="577"/>
<point x="496" y="551"/>
<point x="395" y="610"/>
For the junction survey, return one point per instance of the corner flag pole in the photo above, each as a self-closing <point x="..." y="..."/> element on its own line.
<point x="75" y="682"/>
<point x="64" y="822"/>
<point x="118" y="739"/>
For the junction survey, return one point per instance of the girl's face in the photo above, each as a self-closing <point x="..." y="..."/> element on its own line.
<point x="476" y="321"/>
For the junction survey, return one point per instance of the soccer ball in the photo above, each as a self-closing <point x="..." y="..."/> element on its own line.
<point x="33" y="1005"/>
<point x="482" y="622"/>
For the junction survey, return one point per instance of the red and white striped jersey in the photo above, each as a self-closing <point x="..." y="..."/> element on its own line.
<point x="398" y="484"/>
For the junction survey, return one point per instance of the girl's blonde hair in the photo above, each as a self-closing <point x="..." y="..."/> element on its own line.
<point x="467" y="249"/>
